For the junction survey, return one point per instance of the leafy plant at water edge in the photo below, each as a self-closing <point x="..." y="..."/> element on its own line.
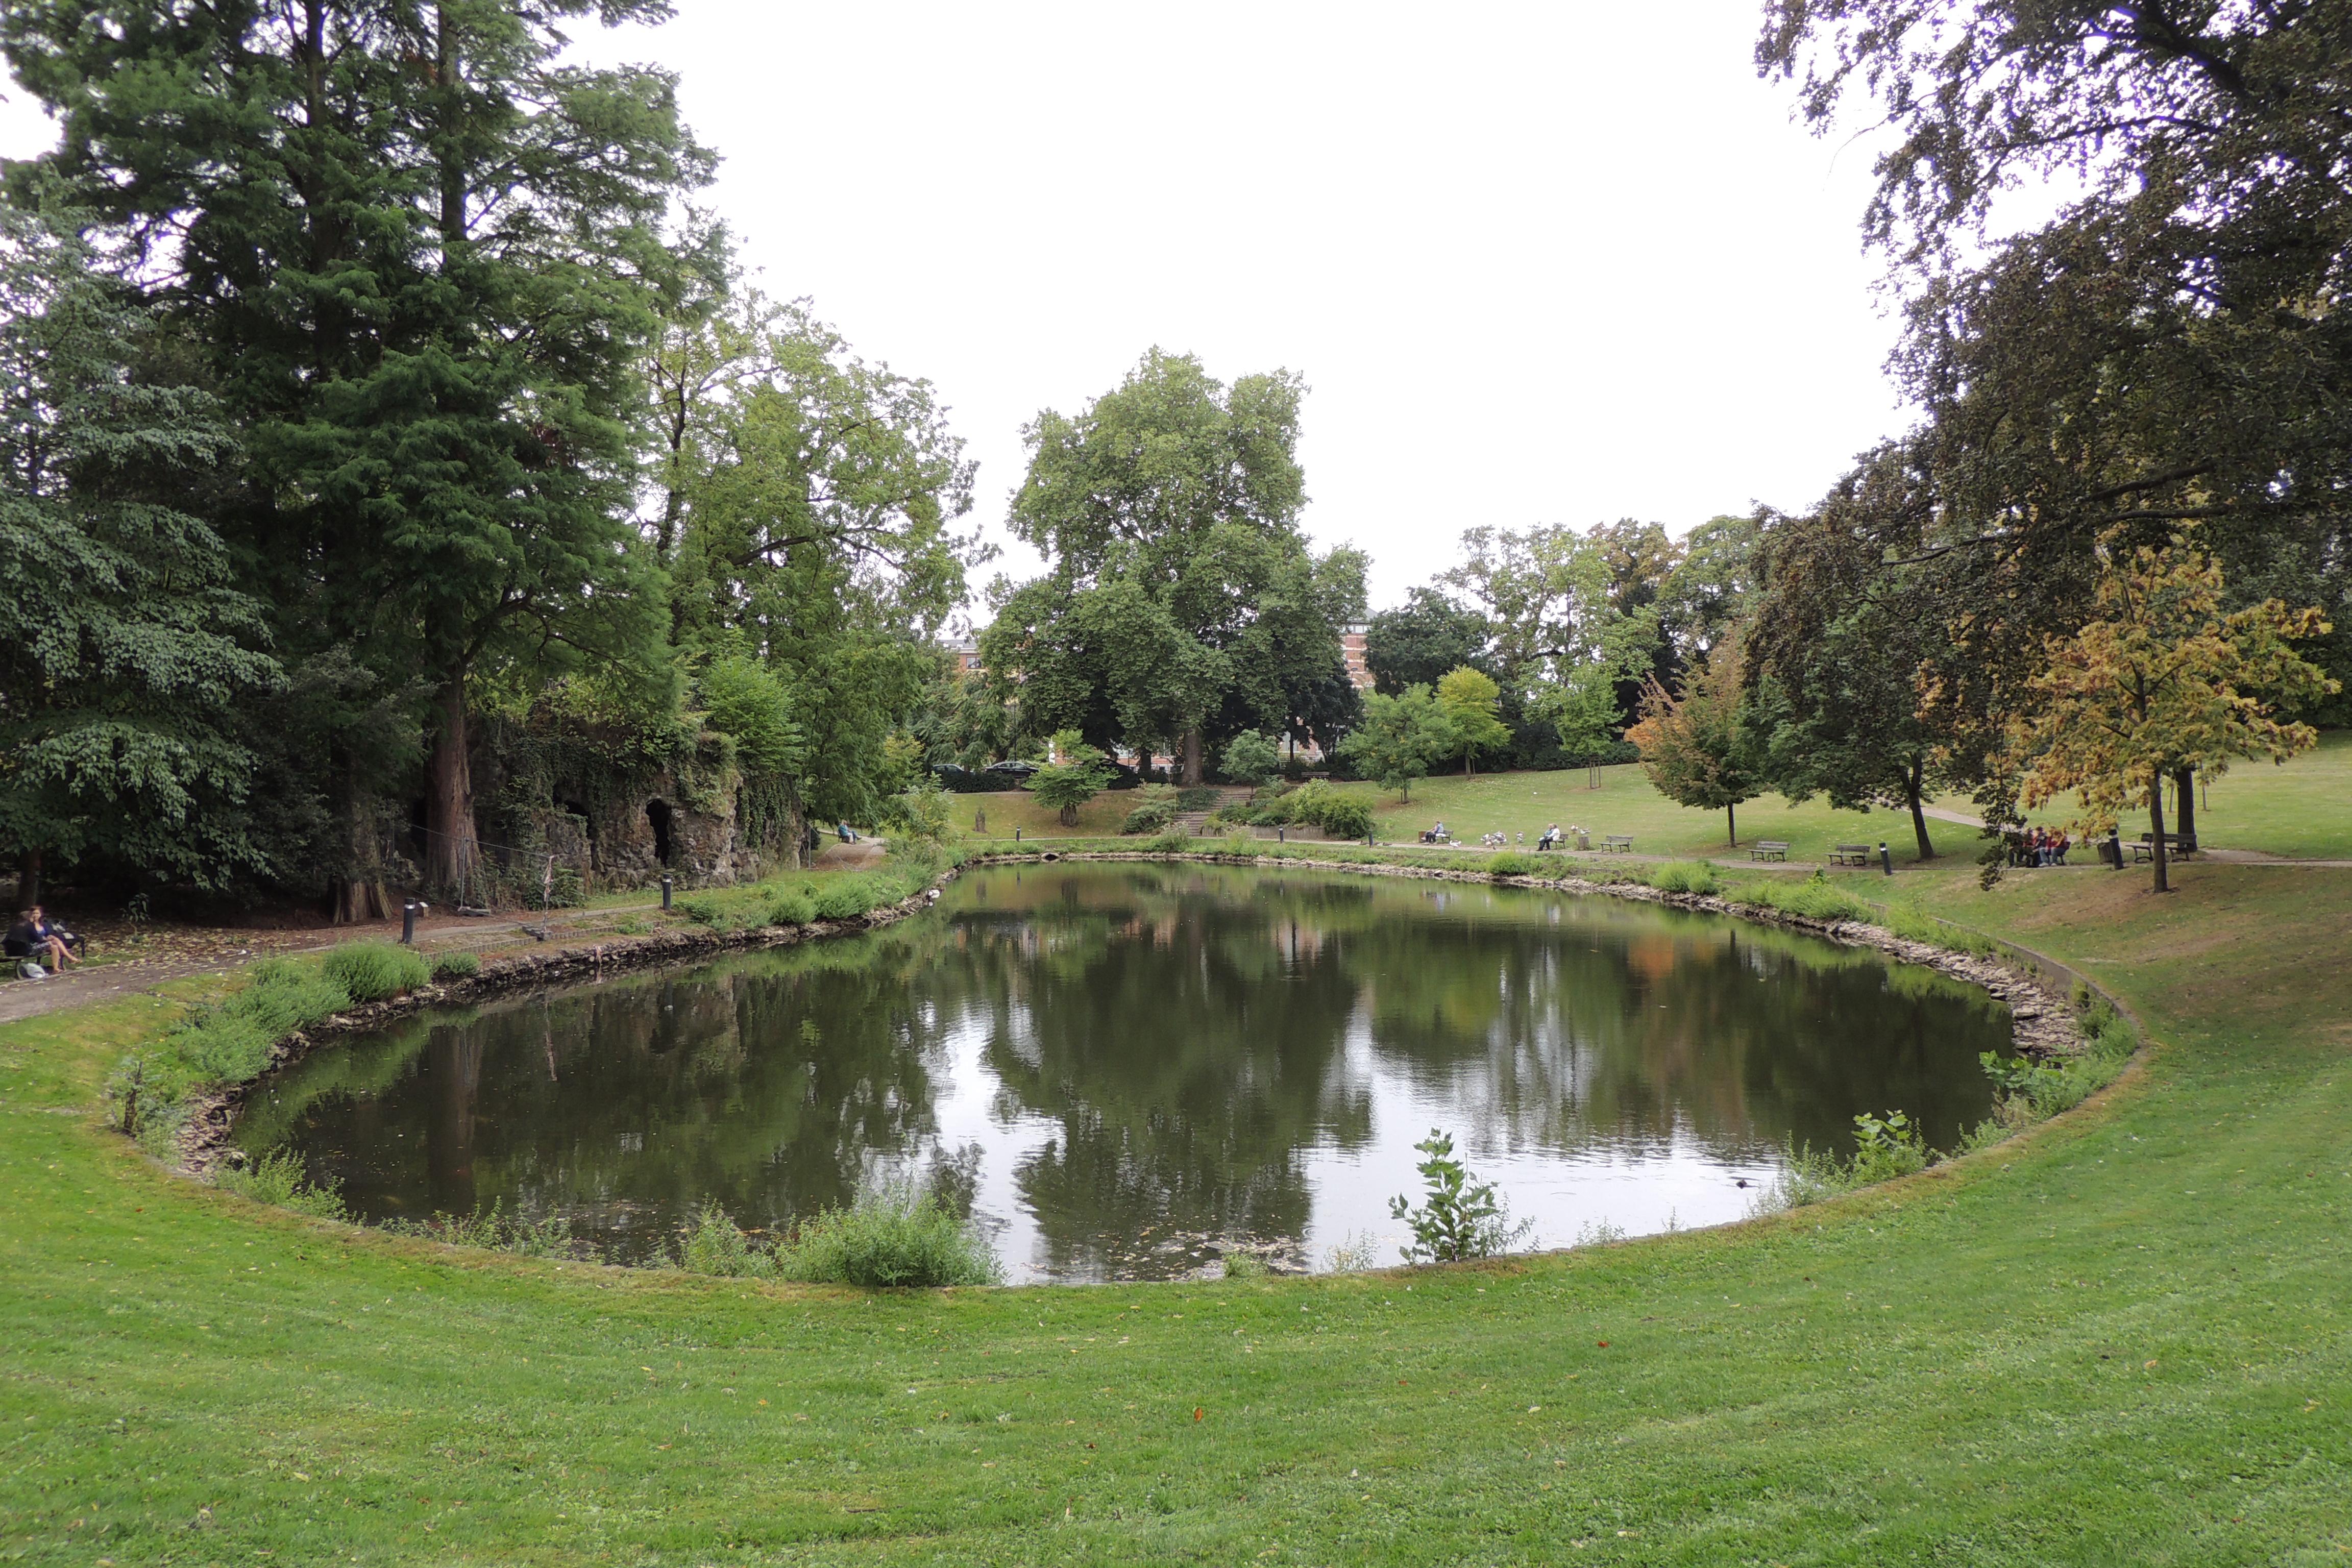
<point x="372" y="971"/>
<point x="888" y="1239"/>
<point x="1358" y="1252"/>
<point x="223" y="1042"/>
<point x="1460" y="1216"/>
<point x="281" y="1182"/>
<point x="715" y="1247"/>
<point x="1884" y="1147"/>
<point x="1511" y="863"/>
<point x="1245" y="1266"/>
<point x="1685" y="877"/>
<point x="495" y="1230"/>
<point x="456" y="967"/>
<point x="1152" y="817"/>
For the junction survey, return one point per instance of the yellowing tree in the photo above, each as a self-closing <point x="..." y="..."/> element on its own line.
<point x="2162" y="680"/>
<point x="1703" y="749"/>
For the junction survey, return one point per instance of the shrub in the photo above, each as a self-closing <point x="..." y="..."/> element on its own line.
<point x="715" y="1247"/>
<point x="885" y="1240"/>
<point x="1152" y="817"/>
<point x="495" y="1230"/>
<point x="847" y="898"/>
<point x="281" y="1182"/>
<point x="1197" y="797"/>
<point x="1170" y="844"/>
<point x="1245" y="1266"/>
<point x="372" y="971"/>
<point x="1460" y="1216"/>
<point x="1345" y="818"/>
<point x="456" y="967"/>
<point x="1511" y="863"/>
<point x="793" y="907"/>
<point x="1685" y="877"/>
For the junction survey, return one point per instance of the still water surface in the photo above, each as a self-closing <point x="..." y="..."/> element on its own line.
<point x="1120" y="1067"/>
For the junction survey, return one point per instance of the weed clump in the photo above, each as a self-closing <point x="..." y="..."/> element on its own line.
<point x="888" y="1239"/>
<point x="1685" y="877"/>
<point x="282" y="1182"/>
<point x="372" y="971"/>
<point x="1511" y="863"/>
<point x="217" y="1043"/>
<point x="1460" y="1216"/>
<point x="495" y="1230"/>
<point x="456" y="967"/>
<point x="1885" y="1147"/>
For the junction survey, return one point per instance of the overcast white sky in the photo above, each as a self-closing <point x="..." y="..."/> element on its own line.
<point x="1539" y="263"/>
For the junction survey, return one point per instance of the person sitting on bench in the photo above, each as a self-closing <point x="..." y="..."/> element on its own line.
<point x="33" y="937"/>
<point x="1434" y="835"/>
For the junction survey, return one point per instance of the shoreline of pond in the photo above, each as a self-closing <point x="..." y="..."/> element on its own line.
<point x="2035" y="990"/>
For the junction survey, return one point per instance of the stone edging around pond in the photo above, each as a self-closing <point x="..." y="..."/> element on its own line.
<point x="2043" y="1023"/>
<point x="203" y="1137"/>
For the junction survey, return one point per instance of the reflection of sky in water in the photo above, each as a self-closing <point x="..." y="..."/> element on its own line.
<point x="1638" y="1185"/>
<point x="1123" y="1066"/>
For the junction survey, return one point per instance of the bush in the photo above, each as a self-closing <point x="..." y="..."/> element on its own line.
<point x="715" y="1247"/>
<point x="1197" y="797"/>
<point x="886" y="1240"/>
<point x="1345" y="818"/>
<point x="793" y="907"/>
<point x="1152" y="817"/>
<point x="1511" y="863"/>
<point x="281" y="1182"/>
<point x="372" y="971"/>
<point x="1685" y="877"/>
<point x="847" y="898"/>
<point x="456" y="967"/>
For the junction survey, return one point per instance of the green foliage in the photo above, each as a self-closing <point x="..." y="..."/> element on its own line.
<point x="1512" y="863"/>
<point x="1685" y="877"/>
<point x="885" y="1240"/>
<point x="495" y="1230"/>
<point x="1885" y="1147"/>
<point x="847" y="898"/>
<point x="1417" y="643"/>
<point x="1197" y="797"/>
<point x="1399" y="738"/>
<point x="1242" y="1265"/>
<point x="124" y="646"/>
<point x="372" y="971"/>
<point x="1250" y="758"/>
<point x="1071" y="783"/>
<point x="793" y="907"/>
<point x="1812" y="899"/>
<point x="1701" y="749"/>
<point x="1459" y="1217"/>
<point x="713" y="1245"/>
<point x="217" y="1044"/>
<point x="917" y="813"/>
<point x="1472" y="704"/>
<point x="456" y="967"/>
<point x="281" y="1182"/>
<point x="745" y="701"/>
<point x="1182" y="600"/>
<point x="1150" y="816"/>
<point x="1344" y="816"/>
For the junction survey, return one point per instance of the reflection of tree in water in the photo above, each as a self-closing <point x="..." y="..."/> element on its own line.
<point x="1183" y="1030"/>
<point x="1184" y="1033"/>
<point x="773" y="1092"/>
<point x="1742" y="1036"/>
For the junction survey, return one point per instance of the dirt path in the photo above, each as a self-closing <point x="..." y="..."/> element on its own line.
<point x="136" y="976"/>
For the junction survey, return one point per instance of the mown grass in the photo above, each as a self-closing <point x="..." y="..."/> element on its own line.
<point x="2122" y="1337"/>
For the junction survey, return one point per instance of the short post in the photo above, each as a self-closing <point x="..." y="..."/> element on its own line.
<point x="408" y="923"/>
<point x="1886" y="860"/>
<point x="665" y="889"/>
<point x="1281" y="835"/>
<point x="1016" y="836"/>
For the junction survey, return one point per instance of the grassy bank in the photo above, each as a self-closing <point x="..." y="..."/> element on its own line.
<point x="2123" y="1337"/>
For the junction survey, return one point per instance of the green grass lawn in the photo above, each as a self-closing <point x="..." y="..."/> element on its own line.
<point x="2123" y="1338"/>
<point x="2301" y="808"/>
<point x="1626" y="803"/>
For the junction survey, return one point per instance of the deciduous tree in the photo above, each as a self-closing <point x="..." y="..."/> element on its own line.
<point x="1399" y="738"/>
<point x="1472" y="702"/>
<point x="1701" y="749"/>
<point x="2163" y="678"/>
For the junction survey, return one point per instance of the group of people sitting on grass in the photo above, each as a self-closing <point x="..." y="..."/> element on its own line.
<point x="36" y="944"/>
<point x="2039" y="846"/>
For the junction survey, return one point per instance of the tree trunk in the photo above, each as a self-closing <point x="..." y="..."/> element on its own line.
<point x="28" y="880"/>
<point x="451" y="848"/>
<point x="357" y="896"/>
<point x="1191" y="760"/>
<point x="1731" y="816"/>
<point x="2184" y="794"/>
<point x="1916" y="788"/>
<point x="2156" y="821"/>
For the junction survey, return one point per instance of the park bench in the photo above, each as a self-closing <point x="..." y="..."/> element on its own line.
<point x="1767" y="849"/>
<point x="1850" y="855"/>
<point x="1622" y="842"/>
<point x="2174" y="843"/>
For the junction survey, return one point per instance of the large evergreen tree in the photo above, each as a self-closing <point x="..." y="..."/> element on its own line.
<point x="418" y="255"/>
<point x="122" y="643"/>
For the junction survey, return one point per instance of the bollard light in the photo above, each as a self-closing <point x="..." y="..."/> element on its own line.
<point x="1016" y="836"/>
<point x="1281" y="835"/>
<point x="408" y="923"/>
<point x="665" y="889"/>
<point x="1886" y="860"/>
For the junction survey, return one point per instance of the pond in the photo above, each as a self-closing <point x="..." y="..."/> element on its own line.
<point x="1124" y="1069"/>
